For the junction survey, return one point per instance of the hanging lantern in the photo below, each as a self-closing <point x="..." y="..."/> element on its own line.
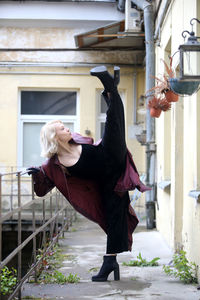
<point x="190" y="56"/>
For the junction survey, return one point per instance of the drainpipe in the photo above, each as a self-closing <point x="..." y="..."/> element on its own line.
<point x="135" y="98"/>
<point x="150" y="122"/>
<point x="163" y="9"/>
<point x="121" y="5"/>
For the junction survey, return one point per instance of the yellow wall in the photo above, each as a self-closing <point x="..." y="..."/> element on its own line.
<point x="86" y="86"/>
<point x="73" y="74"/>
<point x="178" y="160"/>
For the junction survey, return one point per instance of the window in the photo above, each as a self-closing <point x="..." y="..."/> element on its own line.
<point x="101" y="114"/>
<point x="37" y="108"/>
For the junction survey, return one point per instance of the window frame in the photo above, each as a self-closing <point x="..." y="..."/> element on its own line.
<point x="75" y="119"/>
<point x="101" y="117"/>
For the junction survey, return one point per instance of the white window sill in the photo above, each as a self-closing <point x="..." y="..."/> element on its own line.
<point x="195" y="194"/>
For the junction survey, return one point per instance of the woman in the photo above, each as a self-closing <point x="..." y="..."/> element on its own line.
<point x="95" y="179"/>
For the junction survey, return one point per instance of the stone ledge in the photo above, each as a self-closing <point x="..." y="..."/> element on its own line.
<point x="195" y="194"/>
<point x="164" y="184"/>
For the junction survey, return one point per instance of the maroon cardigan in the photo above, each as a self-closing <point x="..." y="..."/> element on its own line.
<point x="84" y="194"/>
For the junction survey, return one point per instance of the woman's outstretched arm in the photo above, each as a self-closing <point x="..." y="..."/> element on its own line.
<point x="42" y="184"/>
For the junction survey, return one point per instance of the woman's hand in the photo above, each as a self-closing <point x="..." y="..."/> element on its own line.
<point x="32" y="170"/>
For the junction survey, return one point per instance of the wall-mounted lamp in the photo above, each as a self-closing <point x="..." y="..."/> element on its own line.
<point x="141" y="138"/>
<point x="190" y="56"/>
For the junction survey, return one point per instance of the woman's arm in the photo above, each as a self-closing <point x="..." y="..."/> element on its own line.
<point x="42" y="184"/>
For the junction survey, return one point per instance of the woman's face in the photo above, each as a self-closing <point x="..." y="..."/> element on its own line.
<point x="63" y="134"/>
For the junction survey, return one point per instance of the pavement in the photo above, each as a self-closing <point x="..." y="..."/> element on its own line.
<point x="84" y="245"/>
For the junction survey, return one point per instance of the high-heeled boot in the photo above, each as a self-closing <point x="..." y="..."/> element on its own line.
<point x="109" y="82"/>
<point x="109" y="264"/>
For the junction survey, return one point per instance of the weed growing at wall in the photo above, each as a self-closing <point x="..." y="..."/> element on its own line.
<point x="8" y="280"/>
<point x="142" y="262"/>
<point x="181" y="268"/>
<point x="58" y="277"/>
<point x="47" y="270"/>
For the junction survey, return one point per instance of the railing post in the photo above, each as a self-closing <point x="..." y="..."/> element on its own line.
<point x="57" y="216"/>
<point x="43" y="222"/>
<point x="19" y="267"/>
<point x="11" y="196"/>
<point x="33" y="225"/>
<point x="51" y="214"/>
<point x="63" y="219"/>
<point x="66" y="219"/>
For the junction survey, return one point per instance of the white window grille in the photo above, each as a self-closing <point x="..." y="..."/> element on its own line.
<point x="101" y="113"/>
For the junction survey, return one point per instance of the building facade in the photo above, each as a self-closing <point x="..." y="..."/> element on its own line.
<point x="45" y="61"/>
<point x="177" y="140"/>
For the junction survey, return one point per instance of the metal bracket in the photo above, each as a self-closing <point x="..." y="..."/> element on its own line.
<point x="151" y="147"/>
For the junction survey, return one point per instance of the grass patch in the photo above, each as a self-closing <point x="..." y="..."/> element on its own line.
<point x="134" y="278"/>
<point x="69" y="257"/>
<point x="58" y="277"/>
<point x="31" y="298"/>
<point x="142" y="262"/>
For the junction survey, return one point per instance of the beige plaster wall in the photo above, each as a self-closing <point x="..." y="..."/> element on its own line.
<point x="85" y="84"/>
<point x="73" y="78"/>
<point x="178" y="215"/>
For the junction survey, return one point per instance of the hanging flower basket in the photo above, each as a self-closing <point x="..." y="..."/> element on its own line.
<point x="157" y="105"/>
<point x="171" y="96"/>
<point x="155" y="112"/>
<point x="183" y="87"/>
<point x="163" y="94"/>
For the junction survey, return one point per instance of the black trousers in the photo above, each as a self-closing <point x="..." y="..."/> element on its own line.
<point x="115" y="150"/>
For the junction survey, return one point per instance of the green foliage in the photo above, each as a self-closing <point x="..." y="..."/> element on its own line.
<point x="53" y="259"/>
<point x="183" y="269"/>
<point x="58" y="277"/>
<point x="142" y="262"/>
<point x="8" y="280"/>
<point x="73" y="278"/>
<point x="32" y="298"/>
<point x="134" y="278"/>
<point x="47" y="270"/>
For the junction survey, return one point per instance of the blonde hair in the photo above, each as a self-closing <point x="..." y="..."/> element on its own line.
<point x="48" y="142"/>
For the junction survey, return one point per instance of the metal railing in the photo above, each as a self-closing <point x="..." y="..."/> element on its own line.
<point x="50" y="214"/>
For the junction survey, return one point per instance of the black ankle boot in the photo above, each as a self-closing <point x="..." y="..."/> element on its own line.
<point x="109" y="264"/>
<point x="109" y="82"/>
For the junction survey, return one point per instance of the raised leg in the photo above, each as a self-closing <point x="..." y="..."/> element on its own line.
<point x="113" y="139"/>
<point x="115" y="149"/>
<point x="114" y="134"/>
